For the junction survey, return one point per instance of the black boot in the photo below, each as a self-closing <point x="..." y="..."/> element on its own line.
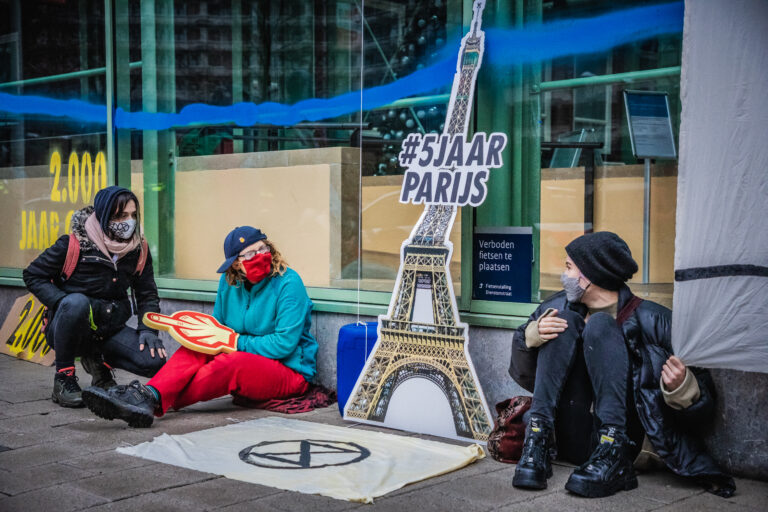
<point x="133" y="403"/>
<point x="535" y="464"/>
<point x="101" y="373"/>
<point x="66" y="391"/>
<point x="608" y="470"/>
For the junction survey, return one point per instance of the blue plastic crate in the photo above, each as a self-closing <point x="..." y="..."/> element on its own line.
<point x="355" y="343"/>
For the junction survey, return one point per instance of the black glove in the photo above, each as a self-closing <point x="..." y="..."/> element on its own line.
<point x="155" y="344"/>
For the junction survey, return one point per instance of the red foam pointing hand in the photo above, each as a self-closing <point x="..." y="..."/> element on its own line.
<point x="196" y="331"/>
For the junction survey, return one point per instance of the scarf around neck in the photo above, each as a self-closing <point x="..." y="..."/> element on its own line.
<point x="105" y="244"/>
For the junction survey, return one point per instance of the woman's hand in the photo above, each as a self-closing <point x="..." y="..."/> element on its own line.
<point x="551" y="326"/>
<point x="673" y="373"/>
<point x="154" y="343"/>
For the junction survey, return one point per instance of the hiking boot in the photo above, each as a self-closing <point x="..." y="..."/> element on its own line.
<point x="133" y="403"/>
<point x="102" y="375"/>
<point x="608" y="470"/>
<point x="535" y="464"/>
<point x="66" y="391"/>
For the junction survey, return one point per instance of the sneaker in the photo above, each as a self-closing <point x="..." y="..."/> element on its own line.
<point x="133" y="403"/>
<point x="102" y="375"/>
<point x="66" y="390"/>
<point x="608" y="470"/>
<point x="535" y="464"/>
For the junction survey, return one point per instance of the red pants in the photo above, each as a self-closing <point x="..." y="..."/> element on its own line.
<point x="190" y="377"/>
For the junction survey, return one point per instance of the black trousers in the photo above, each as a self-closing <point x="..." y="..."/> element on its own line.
<point x="70" y="335"/>
<point x="583" y="382"/>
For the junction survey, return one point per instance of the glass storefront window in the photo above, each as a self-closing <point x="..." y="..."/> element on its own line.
<point x="49" y="166"/>
<point x="325" y="190"/>
<point x="575" y="108"/>
<point x="298" y="182"/>
<point x="303" y="183"/>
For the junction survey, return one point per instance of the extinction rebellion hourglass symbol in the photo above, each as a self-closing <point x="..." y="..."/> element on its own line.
<point x="303" y="454"/>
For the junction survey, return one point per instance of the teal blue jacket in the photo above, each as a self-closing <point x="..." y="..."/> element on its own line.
<point x="272" y="319"/>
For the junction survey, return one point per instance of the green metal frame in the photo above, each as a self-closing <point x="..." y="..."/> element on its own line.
<point x="627" y="78"/>
<point x="122" y="91"/>
<point x="85" y="73"/>
<point x="514" y="189"/>
<point x="237" y="65"/>
<point x="158" y="95"/>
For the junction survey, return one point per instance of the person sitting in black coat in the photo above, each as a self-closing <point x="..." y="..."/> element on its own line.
<point x="599" y="363"/>
<point x="88" y="309"/>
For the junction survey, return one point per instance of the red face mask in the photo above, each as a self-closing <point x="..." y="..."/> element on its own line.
<point x="258" y="267"/>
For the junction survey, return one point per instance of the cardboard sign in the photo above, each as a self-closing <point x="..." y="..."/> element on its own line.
<point x="21" y="332"/>
<point x="196" y="331"/>
<point x="420" y="376"/>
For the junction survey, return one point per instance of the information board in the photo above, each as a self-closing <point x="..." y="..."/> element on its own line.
<point x="650" y="126"/>
<point x="503" y="262"/>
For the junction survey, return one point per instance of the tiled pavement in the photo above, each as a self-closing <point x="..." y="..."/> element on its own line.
<point x="56" y="459"/>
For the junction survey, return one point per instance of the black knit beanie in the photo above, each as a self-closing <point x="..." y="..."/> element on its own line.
<point x="604" y="258"/>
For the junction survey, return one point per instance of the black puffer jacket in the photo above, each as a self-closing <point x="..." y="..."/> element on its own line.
<point x="105" y="283"/>
<point x="673" y="433"/>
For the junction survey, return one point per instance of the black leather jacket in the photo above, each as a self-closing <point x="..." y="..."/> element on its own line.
<point x="674" y="434"/>
<point x="105" y="283"/>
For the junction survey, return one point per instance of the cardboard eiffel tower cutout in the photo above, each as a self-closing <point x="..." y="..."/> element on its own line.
<point x="422" y="346"/>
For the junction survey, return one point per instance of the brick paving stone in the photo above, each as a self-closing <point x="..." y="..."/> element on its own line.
<point x="427" y="500"/>
<point x="665" y="487"/>
<point x="141" y="480"/>
<point x="294" y="501"/>
<point x="108" y="461"/>
<point x="150" y="502"/>
<point x="218" y="492"/>
<point x="246" y="506"/>
<point x="39" y="477"/>
<point x="708" y="503"/>
<point x="751" y="493"/>
<point x="562" y="500"/>
<point x="42" y="406"/>
<point x="38" y="455"/>
<point x="481" y="467"/>
<point x="58" y="498"/>
<point x="491" y="491"/>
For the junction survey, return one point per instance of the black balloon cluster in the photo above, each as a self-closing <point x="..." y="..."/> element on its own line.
<point x="422" y="38"/>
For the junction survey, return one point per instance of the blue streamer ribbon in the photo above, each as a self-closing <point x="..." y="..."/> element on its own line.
<point x="505" y="48"/>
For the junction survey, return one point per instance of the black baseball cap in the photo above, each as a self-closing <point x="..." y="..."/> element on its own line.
<point x="237" y="240"/>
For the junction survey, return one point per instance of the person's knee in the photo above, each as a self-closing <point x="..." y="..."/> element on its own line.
<point x="151" y="365"/>
<point x="599" y="327"/>
<point x="569" y="336"/>
<point x="575" y="320"/>
<point x="74" y="304"/>
<point x="567" y="314"/>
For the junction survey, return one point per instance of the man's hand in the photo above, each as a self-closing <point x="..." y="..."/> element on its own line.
<point x="673" y="373"/>
<point x="154" y="343"/>
<point x="551" y="326"/>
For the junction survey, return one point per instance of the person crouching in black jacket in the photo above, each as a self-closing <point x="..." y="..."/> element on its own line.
<point x="600" y="365"/>
<point x="87" y="311"/>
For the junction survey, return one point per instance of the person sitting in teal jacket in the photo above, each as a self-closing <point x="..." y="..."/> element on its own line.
<point x="266" y="304"/>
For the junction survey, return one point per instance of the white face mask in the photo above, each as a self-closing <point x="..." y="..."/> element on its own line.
<point x="124" y="229"/>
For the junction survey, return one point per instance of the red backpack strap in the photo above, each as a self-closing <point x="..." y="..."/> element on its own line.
<point x="73" y="254"/>
<point x="142" y="256"/>
<point x="628" y="309"/>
